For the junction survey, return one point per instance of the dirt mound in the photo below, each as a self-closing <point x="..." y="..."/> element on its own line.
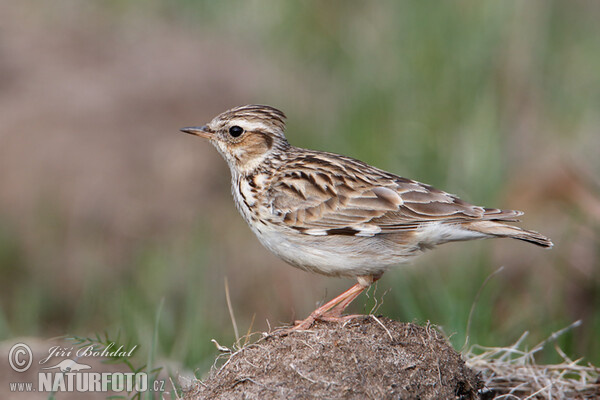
<point x="366" y="358"/>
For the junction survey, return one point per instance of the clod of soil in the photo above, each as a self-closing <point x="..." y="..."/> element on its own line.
<point x="366" y="358"/>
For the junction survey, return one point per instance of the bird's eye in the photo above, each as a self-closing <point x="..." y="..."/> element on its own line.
<point x="236" y="131"/>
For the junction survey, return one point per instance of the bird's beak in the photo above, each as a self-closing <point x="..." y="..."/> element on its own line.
<point x="202" y="131"/>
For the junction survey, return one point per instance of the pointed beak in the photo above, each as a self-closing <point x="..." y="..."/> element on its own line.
<point x="202" y="131"/>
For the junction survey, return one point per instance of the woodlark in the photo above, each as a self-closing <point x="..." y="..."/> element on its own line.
<point x="337" y="216"/>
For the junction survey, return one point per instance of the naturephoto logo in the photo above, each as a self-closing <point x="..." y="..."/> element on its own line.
<point x="69" y="369"/>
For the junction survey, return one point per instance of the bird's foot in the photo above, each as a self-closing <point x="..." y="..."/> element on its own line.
<point x="305" y="324"/>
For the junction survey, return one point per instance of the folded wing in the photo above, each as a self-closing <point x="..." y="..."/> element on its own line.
<point x="319" y="196"/>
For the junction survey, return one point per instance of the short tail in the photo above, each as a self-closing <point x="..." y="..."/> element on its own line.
<point x="493" y="227"/>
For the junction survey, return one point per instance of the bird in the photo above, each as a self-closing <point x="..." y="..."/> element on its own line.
<point x="335" y="215"/>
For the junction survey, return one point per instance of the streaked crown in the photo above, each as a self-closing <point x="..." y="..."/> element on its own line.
<point x="270" y="118"/>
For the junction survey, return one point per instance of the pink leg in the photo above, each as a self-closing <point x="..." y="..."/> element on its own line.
<point x="339" y="309"/>
<point x="365" y="282"/>
<point x="333" y="309"/>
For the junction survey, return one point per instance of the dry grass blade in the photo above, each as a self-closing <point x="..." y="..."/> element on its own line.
<point x="511" y="372"/>
<point x="235" y="328"/>
<point x="249" y="331"/>
<point x="383" y="326"/>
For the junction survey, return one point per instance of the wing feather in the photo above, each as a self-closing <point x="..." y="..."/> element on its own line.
<point x="331" y="194"/>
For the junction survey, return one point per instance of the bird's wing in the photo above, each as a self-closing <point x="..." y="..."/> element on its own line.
<point x="331" y="194"/>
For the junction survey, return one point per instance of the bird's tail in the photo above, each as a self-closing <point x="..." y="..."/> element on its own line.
<point x="498" y="229"/>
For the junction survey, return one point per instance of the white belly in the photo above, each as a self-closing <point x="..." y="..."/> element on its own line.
<point x="334" y="255"/>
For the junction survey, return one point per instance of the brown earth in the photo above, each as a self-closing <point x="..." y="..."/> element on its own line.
<point x="366" y="358"/>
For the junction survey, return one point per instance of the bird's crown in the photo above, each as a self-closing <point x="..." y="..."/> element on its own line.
<point x="254" y="117"/>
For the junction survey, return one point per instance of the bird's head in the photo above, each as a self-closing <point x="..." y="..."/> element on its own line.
<point x="245" y="136"/>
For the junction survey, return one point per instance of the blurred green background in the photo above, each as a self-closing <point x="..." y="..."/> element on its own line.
<point x="106" y="209"/>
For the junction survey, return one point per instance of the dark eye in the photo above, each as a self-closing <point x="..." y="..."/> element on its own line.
<point x="236" y="131"/>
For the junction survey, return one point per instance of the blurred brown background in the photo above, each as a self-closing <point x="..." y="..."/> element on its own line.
<point x="106" y="209"/>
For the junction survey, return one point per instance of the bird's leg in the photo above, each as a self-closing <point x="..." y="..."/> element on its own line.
<point x="364" y="282"/>
<point x="333" y="309"/>
<point x="322" y="312"/>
